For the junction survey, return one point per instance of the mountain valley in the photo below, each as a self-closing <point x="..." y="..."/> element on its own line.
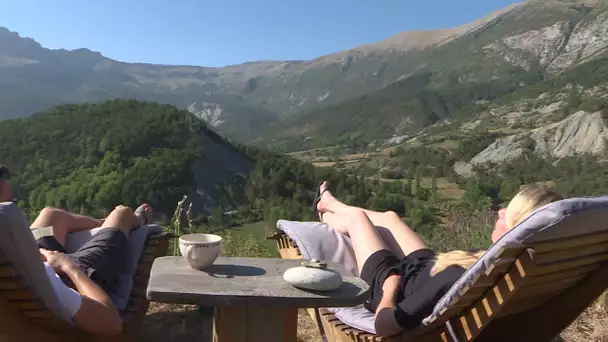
<point x="374" y="95"/>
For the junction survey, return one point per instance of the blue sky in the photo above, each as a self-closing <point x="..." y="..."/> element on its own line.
<point x="224" y="32"/>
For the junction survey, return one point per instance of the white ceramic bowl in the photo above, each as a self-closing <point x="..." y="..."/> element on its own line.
<point x="201" y="250"/>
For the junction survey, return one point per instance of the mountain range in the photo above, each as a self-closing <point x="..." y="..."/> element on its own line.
<point x="368" y="96"/>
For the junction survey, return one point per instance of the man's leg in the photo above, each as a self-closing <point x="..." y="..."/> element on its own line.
<point x="124" y="219"/>
<point x="64" y="222"/>
<point x="104" y="256"/>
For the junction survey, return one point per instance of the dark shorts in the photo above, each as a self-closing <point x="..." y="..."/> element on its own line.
<point x="102" y="258"/>
<point x="414" y="270"/>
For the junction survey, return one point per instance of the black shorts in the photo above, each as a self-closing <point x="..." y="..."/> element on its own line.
<point x="414" y="270"/>
<point x="102" y="258"/>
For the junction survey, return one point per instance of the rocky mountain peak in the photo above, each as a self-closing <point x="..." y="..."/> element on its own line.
<point x="12" y="44"/>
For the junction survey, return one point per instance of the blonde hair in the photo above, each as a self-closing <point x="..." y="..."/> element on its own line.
<point x="463" y="259"/>
<point x="527" y="200"/>
<point x="523" y="204"/>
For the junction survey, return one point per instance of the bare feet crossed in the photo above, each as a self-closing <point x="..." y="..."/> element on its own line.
<point x="144" y="214"/>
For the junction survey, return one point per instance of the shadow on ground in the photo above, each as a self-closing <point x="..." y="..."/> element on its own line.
<point x="175" y="323"/>
<point x="181" y="323"/>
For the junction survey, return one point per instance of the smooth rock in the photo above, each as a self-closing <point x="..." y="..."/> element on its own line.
<point x="310" y="278"/>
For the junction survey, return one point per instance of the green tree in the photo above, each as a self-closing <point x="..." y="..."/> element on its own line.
<point x="217" y="218"/>
<point x="434" y="186"/>
<point x="410" y="177"/>
<point x="474" y="197"/>
<point x="419" y="181"/>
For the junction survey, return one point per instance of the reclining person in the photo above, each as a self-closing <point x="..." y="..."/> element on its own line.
<point x="93" y="269"/>
<point x="406" y="278"/>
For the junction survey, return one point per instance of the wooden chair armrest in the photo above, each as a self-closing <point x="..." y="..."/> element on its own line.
<point x="162" y="235"/>
<point x="275" y="236"/>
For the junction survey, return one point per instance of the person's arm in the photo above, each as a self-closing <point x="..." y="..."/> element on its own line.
<point x="97" y="314"/>
<point x="386" y="324"/>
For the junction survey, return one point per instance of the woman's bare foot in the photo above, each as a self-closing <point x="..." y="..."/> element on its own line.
<point x="144" y="214"/>
<point x="327" y="201"/>
<point x="329" y="209"/>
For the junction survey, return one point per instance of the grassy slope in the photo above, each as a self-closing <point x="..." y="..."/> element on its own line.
<point x="257" y="231"/>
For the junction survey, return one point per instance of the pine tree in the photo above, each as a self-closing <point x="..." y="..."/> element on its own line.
<point x="418" y="181"/>
<point x="410" y="178"/>
<point x="434" y="186"/>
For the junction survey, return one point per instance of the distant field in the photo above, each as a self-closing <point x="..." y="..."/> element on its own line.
<point x="450" y="191"/>
<point x="445" y="188"/>
<point x="448" y="145"/>
<point x="259" y="231"/>
<point x="376" y="160"/>
<point x="297" y="153"/>
<point x="328" y="164"/>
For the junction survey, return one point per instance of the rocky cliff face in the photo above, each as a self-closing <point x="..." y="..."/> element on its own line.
<point x="556" y="47"/>
<point x="544" y="44"/>
<point x="210" y="112"/>
<point x="588" y="40"/>
<point x="580" y="133"/>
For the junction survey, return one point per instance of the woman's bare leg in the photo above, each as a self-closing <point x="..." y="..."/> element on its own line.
<point x="398" y="236"/>
<point x="365" y="238"/>
<point x="334" y="221"/>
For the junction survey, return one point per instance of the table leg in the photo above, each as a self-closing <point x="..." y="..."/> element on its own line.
<point x="245" y="324"/>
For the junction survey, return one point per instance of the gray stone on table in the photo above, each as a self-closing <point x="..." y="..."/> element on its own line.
<point x="246" y="282"/>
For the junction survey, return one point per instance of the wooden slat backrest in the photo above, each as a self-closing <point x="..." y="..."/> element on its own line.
<point x="24" y="302"/>
<point x="287" y="248"/>
<point x="16" y="293"/>
<point x="543" y="270"/>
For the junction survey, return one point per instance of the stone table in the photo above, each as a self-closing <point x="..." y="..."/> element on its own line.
<point x="252" y="301"/>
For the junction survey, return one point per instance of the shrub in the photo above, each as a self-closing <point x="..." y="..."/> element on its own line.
<point x="243" y="246"/>
<point x="463" y="229"/>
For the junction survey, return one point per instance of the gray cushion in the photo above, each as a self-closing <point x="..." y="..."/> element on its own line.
<point x="120" y="294"/>
<point x="317" y="241"/>
<point x="357" y="317"/>
<point x="19" y="246"/>
<point x="556" y="220"/>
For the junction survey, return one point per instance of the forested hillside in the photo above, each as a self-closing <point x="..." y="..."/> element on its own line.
<point x="92" y="157"/>
<point x="89" y="158"/>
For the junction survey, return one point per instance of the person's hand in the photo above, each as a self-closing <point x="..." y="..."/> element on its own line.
<point x="58" y="261"/>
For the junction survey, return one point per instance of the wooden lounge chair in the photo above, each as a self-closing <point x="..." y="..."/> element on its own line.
<point x="25" y="317"/>
<point x="530" y="291"/>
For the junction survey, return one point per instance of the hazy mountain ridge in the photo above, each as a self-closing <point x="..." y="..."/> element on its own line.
<point x="281" y="87"/>
<point x="514" y="47"/>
